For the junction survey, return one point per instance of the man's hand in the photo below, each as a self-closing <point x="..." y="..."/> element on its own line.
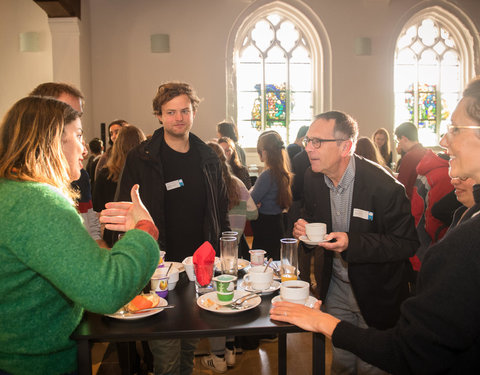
<point x="299" y="228"/>
<point x="339" y="245"/>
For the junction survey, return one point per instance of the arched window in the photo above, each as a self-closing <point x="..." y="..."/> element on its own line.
<point x="276" y="56"/>
<point x="433" y="61"/>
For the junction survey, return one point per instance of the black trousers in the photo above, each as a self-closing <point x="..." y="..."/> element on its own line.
<point x="268" y="230"/>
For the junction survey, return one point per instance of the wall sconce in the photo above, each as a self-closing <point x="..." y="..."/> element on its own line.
<point x="160" y="43"/>
<point x="29" y="41"/>
<point x="363" y="46"/>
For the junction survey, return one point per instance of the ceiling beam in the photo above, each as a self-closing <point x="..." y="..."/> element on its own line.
<point x="60" y="8"/>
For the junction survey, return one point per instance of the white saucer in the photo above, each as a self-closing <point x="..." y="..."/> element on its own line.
<point x="305" y="239"/>
<point x="310" y="301"/>
<point x="210" y="302"/>
<point x="274" y="287"/>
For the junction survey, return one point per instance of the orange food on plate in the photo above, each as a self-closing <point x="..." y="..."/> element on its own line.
<point x="143" y="301"/>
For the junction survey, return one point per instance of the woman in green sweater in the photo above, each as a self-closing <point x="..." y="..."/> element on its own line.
<point x="50" y="268"/>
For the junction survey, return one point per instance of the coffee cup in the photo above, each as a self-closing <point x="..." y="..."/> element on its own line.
<point x="257" y="257"/>
<point x="188" y="264"/>
<point x="258" y="279"/>
<point x="316" y="231"/>
<point x="295" y="291"/>
<point x="225" y="286"/>
<point x="159" y="282"/>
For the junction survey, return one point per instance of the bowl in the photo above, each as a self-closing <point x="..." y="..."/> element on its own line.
<point x="173" y="278"/>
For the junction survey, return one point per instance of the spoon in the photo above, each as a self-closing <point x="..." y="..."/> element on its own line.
<point x="268" y="263"/>
<point x="126" y="310"/>
<point x="169" y="268"/>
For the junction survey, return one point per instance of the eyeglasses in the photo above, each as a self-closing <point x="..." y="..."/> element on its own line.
<point x="454" y="129"/>
<point x="317" y="142"/>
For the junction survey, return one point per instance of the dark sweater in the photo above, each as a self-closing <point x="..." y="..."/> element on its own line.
<point x="439" y="329"/>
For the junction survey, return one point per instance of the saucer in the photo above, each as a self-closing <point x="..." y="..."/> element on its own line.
<point x="273" y="287"/>
<point x="310" y="301"/>
<point x="305" y="239"/>
<point x="210" y="302"/>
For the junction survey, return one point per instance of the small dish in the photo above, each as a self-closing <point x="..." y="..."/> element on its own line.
<point x="138" y="315"/>
<point x="273" y="288"/>
<point x="305" y="239"/>
<point x="210" y="302"/>
<point x="241" y="263"/>
<point x="310" y="301"/>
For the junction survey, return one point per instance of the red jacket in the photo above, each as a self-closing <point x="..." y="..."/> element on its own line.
<point x="433" y="182"/>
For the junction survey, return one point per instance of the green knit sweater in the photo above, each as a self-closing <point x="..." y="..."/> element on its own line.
<point x="50" y="270"/>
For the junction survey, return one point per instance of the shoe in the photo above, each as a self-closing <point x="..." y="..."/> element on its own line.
<point x="230" y="357"/>
<point x="214" y="363"/>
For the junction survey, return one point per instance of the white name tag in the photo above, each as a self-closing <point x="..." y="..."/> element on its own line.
<point x="362" y="214"/>
<point x="174" y="184"/>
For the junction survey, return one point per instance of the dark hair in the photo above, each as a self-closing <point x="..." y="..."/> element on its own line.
<point x="227" y="129"/>
<point x="95" y="146"/>
<point x="169" y="90"/>
<point x="367" y="149"/>
<point x="118" y="122"/>
<point x="230" y="183"/>
<point x="234" y="161"/>
<point x="55" y="89"/>
<point x="385" y="149"/>
<point x="472" y="92"/>
<point x="408" y="130"/>
<point x="278" y="162"/>
<point x="344" y="124"/>
<point x="302" y="131"/>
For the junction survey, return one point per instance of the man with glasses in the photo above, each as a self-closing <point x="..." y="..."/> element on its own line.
<point x="371" y="233"/>
<point x="181" y="185"/>
<point x="406" y="136"/>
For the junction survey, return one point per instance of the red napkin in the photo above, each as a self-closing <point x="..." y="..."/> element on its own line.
<point x="204" y="255"/>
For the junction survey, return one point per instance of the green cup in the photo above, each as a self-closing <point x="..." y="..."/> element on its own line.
<point x="225" y="286"/>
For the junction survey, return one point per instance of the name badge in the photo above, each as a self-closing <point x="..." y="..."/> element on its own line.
<point x="175" y="184"/>
<point x="362" y="214"/>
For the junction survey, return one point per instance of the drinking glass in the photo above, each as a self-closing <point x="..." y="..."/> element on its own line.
<point x="203" y="278"/>
<point x="229" y="255"/>
<point x="289" y="259"/>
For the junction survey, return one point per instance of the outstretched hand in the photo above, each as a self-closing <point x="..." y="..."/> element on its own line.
<point x="307" y="318"/>
<point x="123" y="216"/>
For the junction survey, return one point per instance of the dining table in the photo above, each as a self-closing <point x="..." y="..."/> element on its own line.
<point x="188" y="320"/>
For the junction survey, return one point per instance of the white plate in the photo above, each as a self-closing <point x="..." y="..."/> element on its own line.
<point x="140" y="315"/>
<point x="177" y="265"/>
<point x="211" y="298"/>
<point x="275" y="286"/>
<point x="310" y="301"/>
<point x="305" y="239"/>
<point x="241" y="263"/>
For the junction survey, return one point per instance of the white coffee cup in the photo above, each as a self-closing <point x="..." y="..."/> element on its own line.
<point x="258" y="279"/>
<point x="295" y="291"/>
<point x="316" y="231"/>
<point x="188" y="263"/>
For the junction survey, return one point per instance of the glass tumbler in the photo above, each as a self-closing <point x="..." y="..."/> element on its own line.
<point x="229" y="255"/>
<point x="288" y="259"/>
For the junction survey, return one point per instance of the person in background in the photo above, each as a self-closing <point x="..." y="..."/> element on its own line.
<point x="367" y="149"/>
<point x="465" y="193"/>
<point x="406" y="135"/>
<point x="238" y="169"/>
<point x="49" y="262"/>
<point x="183" y="188"/>
<point x="106" y="185"/>
<point x="241" y="208"/>
<point x="437" y="331"/>
<point x="381" y="138"/>
<point x="96" y="150"/>
<point x="272" y="194"/>
<point x="229" y="129"/>
<point x="297" y="146"/>
<point x="366" y="267"/>
<point x="113" y="129"/>
<point x="74" y="98"/>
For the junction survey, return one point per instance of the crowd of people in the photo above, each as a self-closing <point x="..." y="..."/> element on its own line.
<point x="401" y="235"/>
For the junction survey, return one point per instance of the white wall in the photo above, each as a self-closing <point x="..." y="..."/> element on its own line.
<point x="20" y="72"/>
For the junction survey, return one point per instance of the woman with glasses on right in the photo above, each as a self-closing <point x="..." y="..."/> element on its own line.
<point x="439" y="328"/>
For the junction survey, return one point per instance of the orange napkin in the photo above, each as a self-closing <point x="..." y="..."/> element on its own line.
<point x="204" y="255"/>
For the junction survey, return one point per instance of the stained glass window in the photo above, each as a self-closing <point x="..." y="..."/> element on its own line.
<point x="427" y="78"/>
<point x="273" y="80"/>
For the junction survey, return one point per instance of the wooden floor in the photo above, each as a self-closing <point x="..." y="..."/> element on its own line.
<point x="262" y="361"/>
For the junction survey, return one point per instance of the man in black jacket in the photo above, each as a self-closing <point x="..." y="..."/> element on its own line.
<point x="182" y="187"/>
<point x="372" y="233"/>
